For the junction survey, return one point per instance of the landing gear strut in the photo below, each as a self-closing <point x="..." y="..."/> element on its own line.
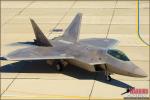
<point x="107" y="74"/>
<point x="108" y="78"/>
<point x="58" y="64"/>
<point x="59" y="67"/>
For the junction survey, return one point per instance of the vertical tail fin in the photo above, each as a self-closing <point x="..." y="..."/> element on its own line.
<point x="40" y="37"/>
<point x="71" y="34"/>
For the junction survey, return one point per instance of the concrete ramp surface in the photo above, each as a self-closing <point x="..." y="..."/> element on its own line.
<point x="36" y="80"/>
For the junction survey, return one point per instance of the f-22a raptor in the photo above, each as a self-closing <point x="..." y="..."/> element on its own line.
<point x="90" y="54"/>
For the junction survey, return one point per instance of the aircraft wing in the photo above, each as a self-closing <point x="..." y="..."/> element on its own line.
<point x="37" y="53"/>
<point x="100" y="42"/>
<point x="90" y="60"/>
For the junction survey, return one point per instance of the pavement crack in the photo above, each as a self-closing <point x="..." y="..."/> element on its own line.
<point x="111" y="19"/>
<point x="18" y="13"/>
<point x="92" y="86"/>
<point x="9" y="84"/>
<point x="62" y="17"/>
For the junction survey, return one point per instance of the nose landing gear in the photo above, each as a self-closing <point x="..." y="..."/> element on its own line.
<point x="108" y="78"/>
<point x="107" y="74"/>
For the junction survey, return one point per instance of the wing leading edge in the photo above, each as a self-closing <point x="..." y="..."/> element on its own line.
<point x="37" y="53"/>
<point x="45" y="53"/>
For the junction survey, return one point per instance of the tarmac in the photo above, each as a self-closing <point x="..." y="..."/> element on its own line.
<point x="37" y="80"/>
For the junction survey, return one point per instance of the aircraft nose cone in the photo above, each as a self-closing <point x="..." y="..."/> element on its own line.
<point x="140" y="73"/>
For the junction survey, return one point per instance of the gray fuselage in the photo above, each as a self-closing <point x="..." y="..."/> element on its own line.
<point x="83" y="51"/>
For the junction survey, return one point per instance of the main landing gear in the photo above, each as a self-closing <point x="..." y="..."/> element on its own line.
<point x="59" y="67"/>
<point x="107" y="74"/>
<point x="60" y="64"/>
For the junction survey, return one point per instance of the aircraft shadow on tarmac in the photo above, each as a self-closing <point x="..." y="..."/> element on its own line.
<point x="73" y="71"/>
<point x="27" y="43"/>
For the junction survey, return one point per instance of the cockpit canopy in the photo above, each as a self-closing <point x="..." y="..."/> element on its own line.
<point x="118" y="54"/>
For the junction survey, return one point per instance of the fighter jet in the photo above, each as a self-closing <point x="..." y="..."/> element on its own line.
<point x="91" y="54"/>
